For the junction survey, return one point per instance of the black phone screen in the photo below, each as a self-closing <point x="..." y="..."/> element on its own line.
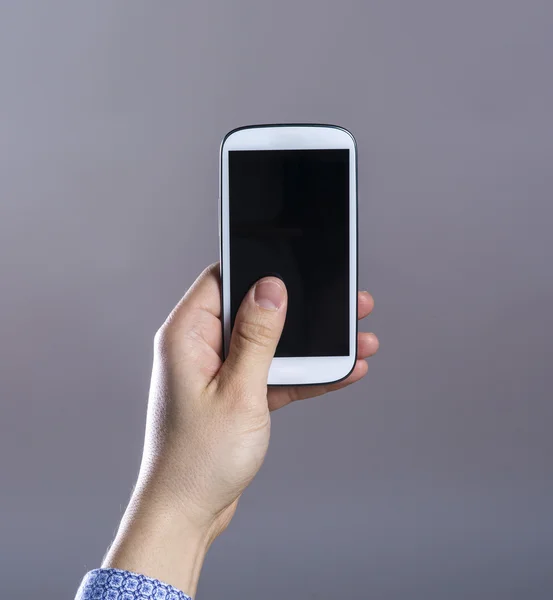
<point x="289" y="217"/>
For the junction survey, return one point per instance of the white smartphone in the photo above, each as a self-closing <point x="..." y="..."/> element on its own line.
<point x="288" y="207"/>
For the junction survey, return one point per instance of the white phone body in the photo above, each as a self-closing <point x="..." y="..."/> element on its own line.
<point x="293" y="370"/>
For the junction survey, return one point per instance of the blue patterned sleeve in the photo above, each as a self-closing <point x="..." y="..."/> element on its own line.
<point x="115" y="584"/>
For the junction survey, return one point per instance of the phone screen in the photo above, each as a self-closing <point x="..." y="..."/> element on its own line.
<point x="289" y="217"/>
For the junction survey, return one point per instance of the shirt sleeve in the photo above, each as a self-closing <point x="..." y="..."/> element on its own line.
<point x="115" y="584"/>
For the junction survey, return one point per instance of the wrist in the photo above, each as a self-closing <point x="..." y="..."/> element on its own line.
<point x="157" y="538"/>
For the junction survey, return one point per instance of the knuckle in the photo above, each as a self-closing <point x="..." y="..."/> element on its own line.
<point x="253" y="333"/>
<point x="164" y="337"/>
<point x="160" y="337"/>
<point x="161" y="343"/>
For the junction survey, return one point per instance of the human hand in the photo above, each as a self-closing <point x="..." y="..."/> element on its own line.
<point x="208" y="426"/>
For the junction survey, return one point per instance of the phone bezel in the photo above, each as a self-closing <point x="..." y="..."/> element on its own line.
<point x="304" y="370"/>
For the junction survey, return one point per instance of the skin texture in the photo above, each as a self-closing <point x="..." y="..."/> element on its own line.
<point x="208" y="426"/>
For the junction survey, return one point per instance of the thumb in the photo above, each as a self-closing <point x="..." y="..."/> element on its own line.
<point x="256" y="332"/>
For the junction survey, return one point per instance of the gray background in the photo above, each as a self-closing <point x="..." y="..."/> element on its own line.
<point x="430" y="479"/>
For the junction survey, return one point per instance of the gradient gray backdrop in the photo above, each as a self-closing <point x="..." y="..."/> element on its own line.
<point x="432" y="478"/>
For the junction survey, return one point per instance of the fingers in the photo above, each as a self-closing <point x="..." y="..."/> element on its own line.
<point x="365" y="304"/>
<point x="281" y="396"/>
<point x="255" y="334"/>
<point x="359" y="371"/>
<point x="367" y="344"/>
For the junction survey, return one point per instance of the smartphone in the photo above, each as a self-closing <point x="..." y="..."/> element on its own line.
<point x="288" y="208"/>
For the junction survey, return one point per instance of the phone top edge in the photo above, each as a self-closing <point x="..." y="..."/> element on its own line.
<point x="267" y="125"/>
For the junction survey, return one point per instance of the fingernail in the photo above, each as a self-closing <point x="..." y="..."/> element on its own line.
<point x="268" y="294"/>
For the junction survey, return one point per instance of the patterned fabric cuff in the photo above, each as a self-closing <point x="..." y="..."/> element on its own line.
<point x="115" y="584"/>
